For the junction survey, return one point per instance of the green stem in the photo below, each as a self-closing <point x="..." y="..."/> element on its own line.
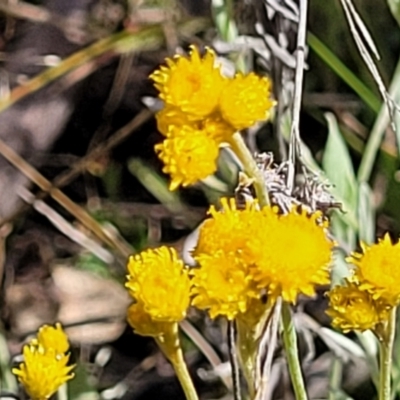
<point x="290" y="343"/>
<point x="247" y="347"/>
<point x="250" y="168"/>
<point x="170" y="345"/>
<point x="386" y="351"/>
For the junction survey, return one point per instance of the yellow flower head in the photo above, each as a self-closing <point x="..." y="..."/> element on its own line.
<point x="352" y="308"/>
<point x="143" y="324"/>
<point x="222" y="284"/>
<point x="218" y="129"/>
<point x="377" y="268"/>
<point x="53" y="337"/>
<point x="43" y="371"/>
<point x="246" y="100"/>
<point x="171" y="116"/>
<point x="191" y="84"/>
<point x="188" y="154"/>
<point x="293" y="255"/>
<point x="229" y="229"/>
<point x="159" y="281"/>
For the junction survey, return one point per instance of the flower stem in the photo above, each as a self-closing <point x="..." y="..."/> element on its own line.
<point x="386" y="350"/>
<point x="250" y="167"/>
<point x="247" y="346"/>
<point x="290" y="343"/>
<point x="170" y="346"/>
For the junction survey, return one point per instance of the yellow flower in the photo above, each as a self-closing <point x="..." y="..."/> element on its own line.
<point x="191" y="84"/>
<point x="377" y="268"/>
<point x="143" y="324"/>
<point x="245" y="100"/>
<point x="222" y="284"/>
<point x="159" y="282"/>
<point x="188" y="154"/>
<point x="352" y="308"/>
<point x="292" y="254"/>
<point x="217" y="128"/>
<point x="229" y="229"/>
<point x="171" y="116"/>
<point x="53" y="337"/>
<point x="43" y="371"/>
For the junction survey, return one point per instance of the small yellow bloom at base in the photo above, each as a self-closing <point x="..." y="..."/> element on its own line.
<point x="293" y="255"/>
<point x="222" y="285"/>
<point x="188" y="154"/>
<point x="43" y="371"/>
<point x="53" y="337"/>
<point x="218" y="129"/>
<point x="246" y="100"/>
<point x="143" y="324"/>
<point x="352" y="308"/>
<point x="159" y="282"/>
<point x="191" y="84"/>
<point x="229" y="229"/>
<point x="377" y="268"/>
<point x="170" y="116"/>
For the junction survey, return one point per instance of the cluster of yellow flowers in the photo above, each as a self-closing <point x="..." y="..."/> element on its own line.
<point x="45" y="367"/>
<point x="202" y="110"/>
<point x="245" y="253"/>
<point x="241" y="255"/>
<point x="371" y="291"/>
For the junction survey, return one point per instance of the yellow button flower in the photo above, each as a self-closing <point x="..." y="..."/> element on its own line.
<point x="352" y="308"/>
<point x="44" y="369"/>
<point x="246" y="100"/>
<point x="143" y="324"/>
<point x="188" y="154"/>
<point x="171" y="116"/>
<point x="53" y="337"/>
<point x="377" y="268"/>
<point x="217" y="128"/>
<point x="229" y="230"/>
<point x="191" y="84"/>
<point x="159" y="282"/>
<point x="292" y="253"/>
<point x="222" y="285"/>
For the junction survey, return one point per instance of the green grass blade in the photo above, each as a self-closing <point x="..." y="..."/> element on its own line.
<point x="370" y="99"/>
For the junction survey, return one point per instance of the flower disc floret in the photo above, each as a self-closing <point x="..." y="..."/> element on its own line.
<point x="53" y="337"/>
<point x="188" y="154"/>
<point x="246" y="100"/>
<point x="193" y="84"/>
<point x="377" y="268"/>
<point x="222" y="285"/>
<point x="229" y="229"/>
<point x="293" y="255"/>
<point x="172" y="117"/>
<point x="143" y="324"/>
<point x="352" y="308"/>
<point x="159" y="281"/>
<point x="43" y="371"/>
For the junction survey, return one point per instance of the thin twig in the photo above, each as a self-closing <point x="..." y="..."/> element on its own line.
<point x="233" y="359"/>
<point x="65" y="227"/>
<point x="298" y="90"/>
<point x="361" y="36"/>
<point x="64" y="178"/>
<point x="78" y="212"/>
<point x="147" y="39"/>
<point x="266" y="351"/>
<point x="205" y="348"/>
